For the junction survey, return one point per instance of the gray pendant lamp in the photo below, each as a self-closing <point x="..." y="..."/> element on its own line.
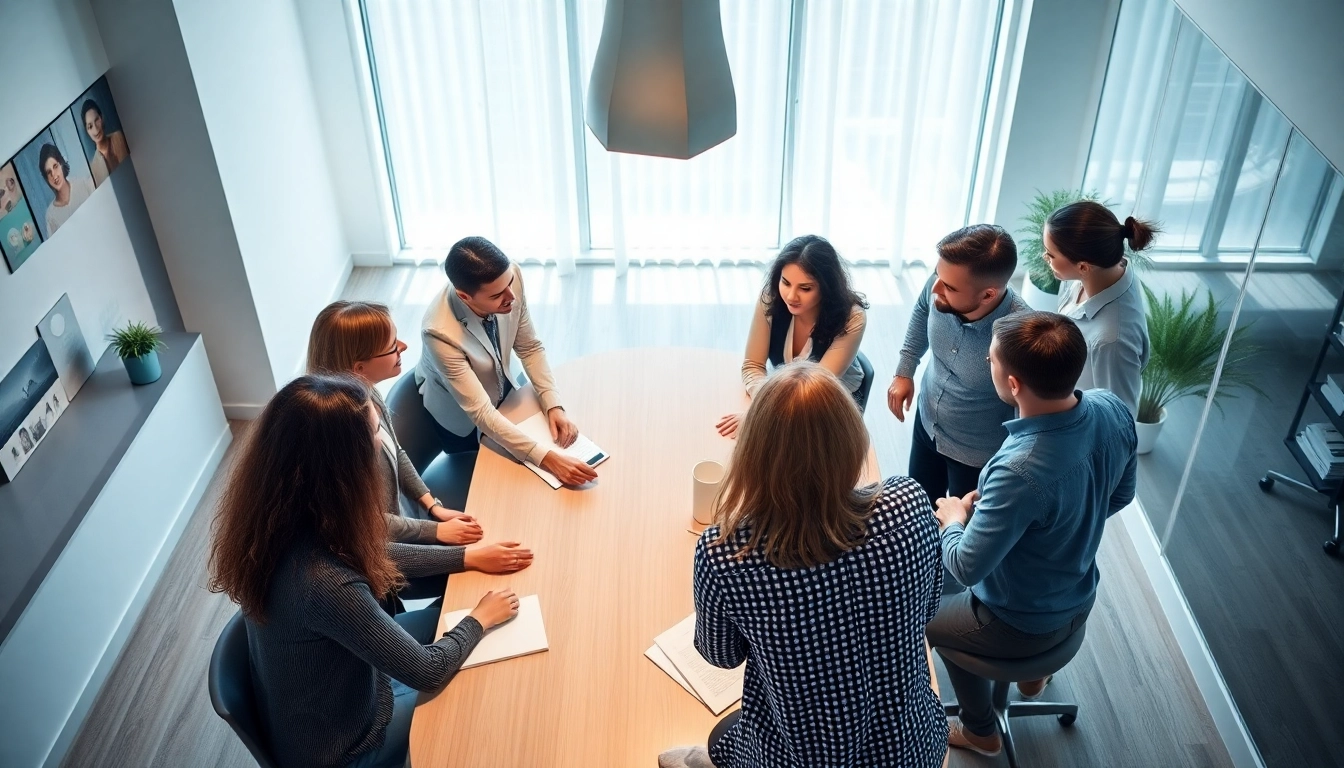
<point x="661" y="84"/>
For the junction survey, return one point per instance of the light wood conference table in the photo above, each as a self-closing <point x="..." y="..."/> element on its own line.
<point x="612" y="571"/>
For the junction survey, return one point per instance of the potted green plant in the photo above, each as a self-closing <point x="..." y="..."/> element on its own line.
<point x="1184" y="344"/>
<point x="138" y="347"/>
<point x="1040" y="288"/>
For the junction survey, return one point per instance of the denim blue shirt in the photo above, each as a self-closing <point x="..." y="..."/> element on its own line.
<point x="1029" y="551"/>
<point x="957" y="403"/>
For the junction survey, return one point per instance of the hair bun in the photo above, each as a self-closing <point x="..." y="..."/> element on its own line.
<point x="1127" y="231"/>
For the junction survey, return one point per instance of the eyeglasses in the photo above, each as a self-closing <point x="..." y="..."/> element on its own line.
<point x="396" y="348"/>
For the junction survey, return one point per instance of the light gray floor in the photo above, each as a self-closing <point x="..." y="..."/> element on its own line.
<point x="1138" y="703"/>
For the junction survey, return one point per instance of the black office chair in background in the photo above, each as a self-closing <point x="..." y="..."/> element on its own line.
<point x="447" y="475"/>
<point x="230" y="683"/>
<point x="1005" y="672"/>
<point x="866" y="385"/>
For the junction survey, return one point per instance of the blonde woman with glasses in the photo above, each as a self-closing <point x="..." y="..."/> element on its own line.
<point x="822" y="588"/>
<point x="359" y="338"/>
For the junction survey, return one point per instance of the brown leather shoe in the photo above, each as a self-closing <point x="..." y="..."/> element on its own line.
<point x="1031" y="690"/>
<point x="957" y="736"/>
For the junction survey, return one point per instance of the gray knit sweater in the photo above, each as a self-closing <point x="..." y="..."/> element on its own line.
<point x="404" y="480"/>
<point x="322" y="659"/>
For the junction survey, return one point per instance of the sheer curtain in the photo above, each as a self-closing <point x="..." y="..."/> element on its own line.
<point x="877" y="150"/>
<point x="888" y="121"/>
<point x="474" y="100"/>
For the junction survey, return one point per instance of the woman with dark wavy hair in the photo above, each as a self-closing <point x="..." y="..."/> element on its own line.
<point x="807" y="311"/>
<point x="300" y="543"/>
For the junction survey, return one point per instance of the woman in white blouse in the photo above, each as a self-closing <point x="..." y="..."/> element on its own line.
<point x="807" y="310"/>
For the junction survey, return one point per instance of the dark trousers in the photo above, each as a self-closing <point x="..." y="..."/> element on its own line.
<point x="422" y="624"/>
<point x="964" y="623"/>
<point x="451" y="443"/>
<point x="939" y="476"/>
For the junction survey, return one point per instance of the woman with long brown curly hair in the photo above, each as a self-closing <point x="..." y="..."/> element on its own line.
<point x="301" y="545"/>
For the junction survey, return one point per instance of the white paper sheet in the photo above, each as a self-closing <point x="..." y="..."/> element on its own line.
<point x="524" y="634"/>
<point x="539" y="428"/>
<point x="717" y="688"/>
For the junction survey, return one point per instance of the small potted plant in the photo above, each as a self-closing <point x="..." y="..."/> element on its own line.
<point x="1040" y="288"/>
<point x="1184" y="345"/>
<point x="138" y="347"/>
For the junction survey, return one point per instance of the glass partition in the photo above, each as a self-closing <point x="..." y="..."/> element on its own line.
<point x="1249" y="211"/>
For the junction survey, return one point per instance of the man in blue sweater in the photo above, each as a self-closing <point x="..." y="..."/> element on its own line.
<point x="1029" y="551"/>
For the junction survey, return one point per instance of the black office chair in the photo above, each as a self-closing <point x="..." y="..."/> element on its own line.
<point x="866" y="386"/>
<point x="1005" y="672"/>
<point x="447" y="475"/>
<point x="230" y="683"/>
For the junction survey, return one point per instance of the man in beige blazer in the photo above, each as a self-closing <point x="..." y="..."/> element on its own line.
<point x="470" y="332"/>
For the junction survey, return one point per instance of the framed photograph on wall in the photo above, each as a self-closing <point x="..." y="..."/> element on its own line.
<point x="19" y="236"/>
<point x="31" y="400"/>
<point x="100" y="131"/>
<point x="55" y="175"/>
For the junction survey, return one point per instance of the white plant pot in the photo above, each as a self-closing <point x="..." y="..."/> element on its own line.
<point x="1148" y="433"/>
<point x="1038" y="299"/>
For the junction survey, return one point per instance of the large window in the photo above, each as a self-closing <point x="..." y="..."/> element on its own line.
<point x="1183" y="138"/>
<point x="857" y="119"/>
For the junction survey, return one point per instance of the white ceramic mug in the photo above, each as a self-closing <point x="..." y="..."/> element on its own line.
<point x="706" y="476"/>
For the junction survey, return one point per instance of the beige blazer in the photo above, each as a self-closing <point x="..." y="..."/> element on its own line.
<point x="457" y="376"/>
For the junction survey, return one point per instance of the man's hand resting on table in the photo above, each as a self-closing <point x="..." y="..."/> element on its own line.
<point x="563" y="431"/>
<point x="567" y="469"/>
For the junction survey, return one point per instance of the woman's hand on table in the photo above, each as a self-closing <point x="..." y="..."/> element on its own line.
<point x="503" y="557"/>
<point x="727" y="425"/>
<point x="460" y="530"/>
<point x="495" y="608"/>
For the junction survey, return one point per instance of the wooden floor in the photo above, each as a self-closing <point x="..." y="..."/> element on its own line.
<point x="1138" y="703"/>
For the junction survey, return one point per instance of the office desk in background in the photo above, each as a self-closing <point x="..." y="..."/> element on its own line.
<point x="612" y="569"/>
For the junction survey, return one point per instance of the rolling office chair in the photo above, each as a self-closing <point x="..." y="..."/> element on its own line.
<point x="866" y="385"/>
<point x="1005" y="672"/>
<point x="447" y="475"/>
<point x="230" y="683"/>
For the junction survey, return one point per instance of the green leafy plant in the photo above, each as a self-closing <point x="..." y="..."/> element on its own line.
<point x="1031" y="247"/>
<point x="1185" y="343"/>
<point x="136" y="340"/>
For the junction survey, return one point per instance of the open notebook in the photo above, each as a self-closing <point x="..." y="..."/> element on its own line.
<point x="522" y="635"/>
<point x="583" y="449"/>
<point x="674" y="652"/>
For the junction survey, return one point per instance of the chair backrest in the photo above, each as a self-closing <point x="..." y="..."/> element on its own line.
<point x="414" y="425"/>
<point x="230" y="682"/>
<point x="866" y="385"/>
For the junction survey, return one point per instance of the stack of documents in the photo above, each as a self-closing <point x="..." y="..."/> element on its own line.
<point x="1324" y="448"/>
<point x="519" y="636"/>
<point x="1333" y="389"/>
<point x="539" y="428"/>
<point x="674" y="652"/>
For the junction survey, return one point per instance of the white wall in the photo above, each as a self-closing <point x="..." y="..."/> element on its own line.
<point x="251" y="73"/>
<point x="344" y="101"/>
<point x="1291" y="51"/>
<point x="1060" y="70"/>
<point x="53" y="53"/>
<point x="156" y="100"/>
